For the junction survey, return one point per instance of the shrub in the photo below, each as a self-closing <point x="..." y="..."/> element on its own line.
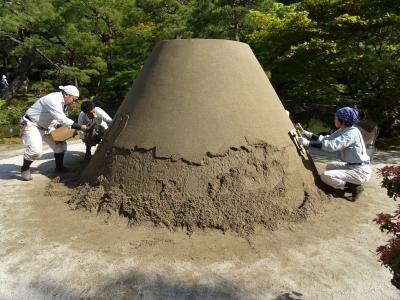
<point x="389" y="254"/>
<point x="11" y="115"/>
<point x="40" y="88"/>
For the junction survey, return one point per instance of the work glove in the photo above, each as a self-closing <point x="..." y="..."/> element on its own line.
<point x="303" y="141"/>
<point x="307" y="134"/>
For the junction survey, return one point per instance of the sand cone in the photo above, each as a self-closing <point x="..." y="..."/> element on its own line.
<point x="201" y="140"/>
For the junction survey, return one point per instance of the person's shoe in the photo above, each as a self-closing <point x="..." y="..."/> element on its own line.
<point x="336" y="193"/>
<point x="355" y="190"/>
<point x="26" y="175"/>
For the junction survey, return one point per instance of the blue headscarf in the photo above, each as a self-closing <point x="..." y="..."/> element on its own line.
<point x="348" y="115"/>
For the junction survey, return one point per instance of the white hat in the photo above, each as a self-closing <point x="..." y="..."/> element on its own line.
<point x="3" y="77"/>
<point x="70" y="90"/>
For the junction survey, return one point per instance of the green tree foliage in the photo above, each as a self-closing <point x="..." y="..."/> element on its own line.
<point x="79" y="42"/>
<point x="225" y="19"/>
<point x="315" y="51"/>
<point x="332" y="51"/>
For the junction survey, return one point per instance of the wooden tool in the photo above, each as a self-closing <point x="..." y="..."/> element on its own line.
<point x="302" y="151"/>
<point x="299" y="129"/>
<point x="293" y="136"/>
<point x="62" y="134"/>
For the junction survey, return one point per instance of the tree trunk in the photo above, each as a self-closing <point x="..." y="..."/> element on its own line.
<point x="237" y="32"/>
<point x="20" y="76"/>
<point x="5" y="64"/>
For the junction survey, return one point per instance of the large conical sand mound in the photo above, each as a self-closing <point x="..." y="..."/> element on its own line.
<point x="200" y="141"/>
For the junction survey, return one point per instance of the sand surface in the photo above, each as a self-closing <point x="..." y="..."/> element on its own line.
<point x="48" y="251"/>
<point x="236" y="191"/>
<point x="200" y="95"/>
<point x="201" y="141"/>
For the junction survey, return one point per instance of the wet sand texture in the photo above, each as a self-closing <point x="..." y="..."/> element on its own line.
<point x="200" y="141"/>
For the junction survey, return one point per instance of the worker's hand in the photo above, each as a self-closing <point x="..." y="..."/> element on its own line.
<point x="307" y="134"/>
<point x="85" y="128"/>
<point x="303" y="141"/>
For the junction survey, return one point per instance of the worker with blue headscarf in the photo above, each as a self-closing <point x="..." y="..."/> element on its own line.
<point x="354" y="168"/>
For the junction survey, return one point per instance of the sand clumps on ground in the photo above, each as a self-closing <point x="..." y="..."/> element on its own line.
<point x="237" y="191"/>
<point x="200" y="141"/>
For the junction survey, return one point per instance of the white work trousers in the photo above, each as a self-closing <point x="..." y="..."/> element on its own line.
<point x="338" y="173"/>
<point x="33" y="137"/>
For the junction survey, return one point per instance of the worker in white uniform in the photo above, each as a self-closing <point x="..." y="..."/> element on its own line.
<point x="39" y="120"/>
<point x="4" y="82"/>
<point x="354" y="168"/>
<point x="97" y="120"/>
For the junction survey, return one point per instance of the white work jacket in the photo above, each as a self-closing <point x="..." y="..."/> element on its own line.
<point x="101" y="119"/>
<point x="48" y="109"/>
<point x="348" y="143"/>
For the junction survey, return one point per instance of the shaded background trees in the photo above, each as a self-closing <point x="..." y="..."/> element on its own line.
<point x="334" y="52"/>
<point x="327" y="52"/>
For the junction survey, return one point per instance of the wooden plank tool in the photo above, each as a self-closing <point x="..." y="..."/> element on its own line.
<point x="293" y="136"/>
<point x="299" y="129"/>
<point x="62" y="134"/>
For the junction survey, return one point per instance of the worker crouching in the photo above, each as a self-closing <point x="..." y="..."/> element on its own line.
<point x="354" y="170"/>
<point x="39" y="120"/>
<point x="97" y="120"/>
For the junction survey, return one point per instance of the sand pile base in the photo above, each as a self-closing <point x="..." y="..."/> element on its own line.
<point x="245" y="187"/>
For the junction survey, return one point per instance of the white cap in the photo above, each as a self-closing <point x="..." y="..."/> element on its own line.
<point x="4" y="77"/>
<point x="70" y="90"/>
